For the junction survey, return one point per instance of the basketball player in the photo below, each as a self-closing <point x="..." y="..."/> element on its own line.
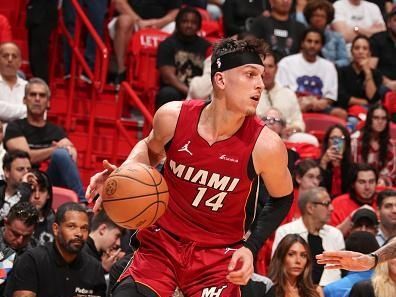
<point x="215" y="152"/>
<point x="356" y="261"/>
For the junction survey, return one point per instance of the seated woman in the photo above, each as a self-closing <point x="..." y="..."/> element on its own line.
<point x="358" y="83"/>
<point x="290" y="269"/>
<point x="373" y="145"/>
<point x="336" y="160"/>
<point x="319" y="14"/>
<point x="41" y="198"/>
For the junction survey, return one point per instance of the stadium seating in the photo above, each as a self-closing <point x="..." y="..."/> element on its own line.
<point x="317" y="123"/>
<point x="61" y="196"/>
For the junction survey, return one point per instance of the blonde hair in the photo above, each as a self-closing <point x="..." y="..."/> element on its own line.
<point x="382" y="283"/>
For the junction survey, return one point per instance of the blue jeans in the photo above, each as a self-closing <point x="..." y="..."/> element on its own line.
<point x="63" y="172"/>
<point x="95" y="11"/>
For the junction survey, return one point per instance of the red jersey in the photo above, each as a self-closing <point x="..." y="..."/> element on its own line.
<point x="213" y="188"/>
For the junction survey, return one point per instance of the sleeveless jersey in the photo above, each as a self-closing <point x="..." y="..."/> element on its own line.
<point x="212" y="195"/>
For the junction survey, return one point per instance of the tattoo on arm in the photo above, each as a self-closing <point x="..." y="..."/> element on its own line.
<point x="388" y="251"/>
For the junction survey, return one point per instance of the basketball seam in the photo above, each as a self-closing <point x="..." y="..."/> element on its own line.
<point x="138" y="180"/>
<point x="142" y="211"/>
<point x="133" y="197"/>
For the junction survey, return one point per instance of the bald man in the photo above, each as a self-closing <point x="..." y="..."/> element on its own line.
<point x="12" y="87"/>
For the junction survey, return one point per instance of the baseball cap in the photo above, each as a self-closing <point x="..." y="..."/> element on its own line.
<point x="366" y="214"/>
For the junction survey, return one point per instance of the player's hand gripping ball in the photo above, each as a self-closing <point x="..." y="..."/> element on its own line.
<point x="135" y="196"/>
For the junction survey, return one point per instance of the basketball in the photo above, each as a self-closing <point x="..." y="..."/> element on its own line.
<point x="135" y="196"/>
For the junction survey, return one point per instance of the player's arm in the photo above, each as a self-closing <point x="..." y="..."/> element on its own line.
<point x="151" y="150"/>
<point x="270" y="162"/>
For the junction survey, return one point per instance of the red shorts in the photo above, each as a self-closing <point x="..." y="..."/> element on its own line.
<point x="163" y="262"/>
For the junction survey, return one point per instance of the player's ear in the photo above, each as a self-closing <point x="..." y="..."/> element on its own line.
<point x="219" y="80"/>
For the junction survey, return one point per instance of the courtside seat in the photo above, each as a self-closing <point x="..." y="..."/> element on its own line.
<point x="390" y="104"/>
<point x="317" y="123"/>
<point x="61" y="196"/>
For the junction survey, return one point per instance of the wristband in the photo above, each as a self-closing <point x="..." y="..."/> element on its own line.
<point x="375" y="259"/>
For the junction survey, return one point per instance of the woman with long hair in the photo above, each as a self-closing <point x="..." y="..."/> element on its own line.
<point x="382" y="284"/>
<point x="336" y="160"/>
<point x="373" y="145"/>
<point x="291" y="269"/>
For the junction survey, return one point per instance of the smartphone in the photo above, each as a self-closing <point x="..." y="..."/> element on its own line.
<point x="339" y="144"/>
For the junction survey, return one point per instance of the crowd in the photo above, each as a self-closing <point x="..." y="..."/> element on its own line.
<point x="331" y="58"/>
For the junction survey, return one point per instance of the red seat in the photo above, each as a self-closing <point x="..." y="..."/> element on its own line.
<point x="210" y="29"/>
<point x="318" y="123"/>
<point x="61" y="196"/>
<point x="390" y="102"/>
<point x="142" y="59"/>
<point x="393" y="131"/>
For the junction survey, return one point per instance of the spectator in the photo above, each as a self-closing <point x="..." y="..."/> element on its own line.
<point x="103" y="242"/>
<point x="363" y="180"/>
<point x="374" y="146"/>
<point x="383" y="282"/>
<point x="386" y="203"/>
<point x="355" y="17"/>
<point x="60" y="265"/>
<point x="43" y="140"/>
<point x="279" y="30"/>
<point x="41" y="19"/>
<point x="364" y="219"/>
<point x="18" y="180"/>
<point x="180" y="57"/>
<point x="362" y="242"/>
<point x="291" y="268"/>
<point x="96" y="12"/>
<point x="12" y="87"/>
<point x="238" y="15"/>
<point x="384" y="51"/>
<point x="336" y="160"/>
<point x="15" y="237"/>
<point x="42" y="198"/>
<point x="5" y="29"/>
<point x="2" y="151"/>
<point x="274" y="95"/>
<point x="358" y="83"/>
<point x="135" y="15"/>
<point x="320" y="14"/>
<point x="315" y="206"/>
<point x="313" y="78"/>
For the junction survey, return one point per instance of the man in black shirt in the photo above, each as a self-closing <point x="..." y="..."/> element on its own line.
<point x="384" y="51"/>
<point x="180" y="57"/>
<point x="279" y="30"/>
<point x="60" y="268"/>
<point x="43" y="140"/>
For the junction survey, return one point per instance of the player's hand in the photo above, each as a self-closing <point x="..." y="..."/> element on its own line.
<point x="96" y="183"/>
<point x="348" y="260"/>
<point x="240" y="267"/>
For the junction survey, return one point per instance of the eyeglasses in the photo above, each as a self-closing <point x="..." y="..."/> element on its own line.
<point x="272" y="120"/>
<point x="323" y="203"/>
<point x="35" y="94"/>
<point x="332" y="138"/>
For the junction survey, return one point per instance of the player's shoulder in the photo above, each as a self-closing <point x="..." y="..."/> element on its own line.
<point x="269" y="140"/>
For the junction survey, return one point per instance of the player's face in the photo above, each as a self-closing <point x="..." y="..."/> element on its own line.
<point x="310" y="179"/>
<point x="242" y="87"/>
<point x="360" y="50"/>
<point x="39" y="198"/>
<point x="72" y="233"/>
<point x="269" y="71"/>
<point x="19" y="167"/>
<point x="380" y="120"/>
<point x="365" y="185"/>
<point x="312" y="44"/>
<point x="387" y="212"/>
<point x="16" y="234"/>
<point x="10" y="60"/>
<point x="36" y="99"/>
<point x="295" y="260"/>
<point x="318" y="19"/>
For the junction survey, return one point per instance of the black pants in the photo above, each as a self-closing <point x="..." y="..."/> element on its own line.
<point x="39" y="40"/>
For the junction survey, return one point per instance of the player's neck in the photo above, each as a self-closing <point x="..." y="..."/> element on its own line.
<point x="217" y="123"/>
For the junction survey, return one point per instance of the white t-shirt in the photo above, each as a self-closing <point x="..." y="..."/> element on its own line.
<point x="318" y="78"/>
<point x="364" y="15"/>
<point x="11" y="100"/>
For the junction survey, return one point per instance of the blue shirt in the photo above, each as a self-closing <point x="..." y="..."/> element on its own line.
<point x="334" y="49"/>
<point x="342" y="287"/>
